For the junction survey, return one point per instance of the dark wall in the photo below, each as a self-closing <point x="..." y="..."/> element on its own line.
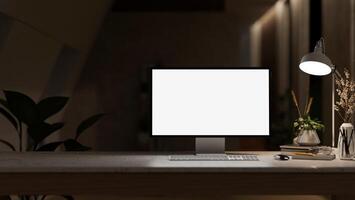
<point x="336" y="25"/>
<point x="127" y="44"/>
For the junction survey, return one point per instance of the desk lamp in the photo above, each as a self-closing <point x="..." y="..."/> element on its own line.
<point x="318" y="64"/>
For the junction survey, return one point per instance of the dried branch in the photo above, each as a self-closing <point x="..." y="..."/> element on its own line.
<point x="305" y="106"/>
<point x="296" y="103"/>
<point x="345" y="105"/>
<point x="309" y="105"/>
<point x="340" y="116"/>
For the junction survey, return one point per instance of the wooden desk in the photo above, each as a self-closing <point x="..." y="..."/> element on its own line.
<point x="155" y="175"/>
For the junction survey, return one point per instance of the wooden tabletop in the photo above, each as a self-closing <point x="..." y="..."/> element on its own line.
<point x="154" y="162"/>
<point x="152" y="174"/>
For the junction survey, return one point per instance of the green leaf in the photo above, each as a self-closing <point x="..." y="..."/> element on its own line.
<point x="40" y="131"/>
<point x="50" y="146"/>
<point x="8" y="144"/>
<point x="22" y="106"/>
<point x="50" y="106"/>
<point x="73" y="145"/>
<point x="9" y="117"/>
<point x="87" y="123"/>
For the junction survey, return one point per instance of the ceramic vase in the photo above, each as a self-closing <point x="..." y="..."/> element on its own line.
<point x="307" y="138"/>
<point x="346" y="146"/>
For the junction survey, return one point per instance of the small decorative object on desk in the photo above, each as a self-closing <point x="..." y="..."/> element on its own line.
<point x="346" y="142"/>
<point x="305" y="127"/>
<point x="345" y="106"/>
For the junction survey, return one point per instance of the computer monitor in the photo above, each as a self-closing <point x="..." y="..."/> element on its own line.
<point x="210" y="104"/>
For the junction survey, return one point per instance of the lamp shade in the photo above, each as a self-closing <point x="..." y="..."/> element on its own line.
<point x="316" y="63"/>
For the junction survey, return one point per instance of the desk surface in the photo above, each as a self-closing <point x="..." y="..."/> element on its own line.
<point x="140" y="163"/>
<point x="137" y="175"/>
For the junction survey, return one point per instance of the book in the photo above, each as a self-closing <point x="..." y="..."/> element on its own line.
<point x="292" y="146"/>
<point x="310" y="156"/>
<point x="297" y="148"/>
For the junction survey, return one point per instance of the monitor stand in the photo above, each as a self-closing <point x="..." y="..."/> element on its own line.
<point x="210" y="145"/>
<point x="212" y="149"/>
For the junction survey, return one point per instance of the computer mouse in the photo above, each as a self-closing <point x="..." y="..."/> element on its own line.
<point x="281" y="157"/>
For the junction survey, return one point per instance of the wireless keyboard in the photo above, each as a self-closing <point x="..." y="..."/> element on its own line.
<point x="213" y="157"/>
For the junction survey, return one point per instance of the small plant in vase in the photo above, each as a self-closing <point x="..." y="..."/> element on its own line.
<point x="305" y="127"/>
<point x="345" y="107"/>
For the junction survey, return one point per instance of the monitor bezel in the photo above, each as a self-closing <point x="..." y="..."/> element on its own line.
<point x="203" y="68"/>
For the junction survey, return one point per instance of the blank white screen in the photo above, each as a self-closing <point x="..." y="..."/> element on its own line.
<point x="210" y="102"/>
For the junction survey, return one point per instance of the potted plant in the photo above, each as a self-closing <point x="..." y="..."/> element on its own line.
<point x="305" y="127"/>
<point x="345" y="107"/>
<point x="31" y="118"/>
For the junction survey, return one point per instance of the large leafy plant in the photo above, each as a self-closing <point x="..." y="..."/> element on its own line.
<point x="27" y="116"/>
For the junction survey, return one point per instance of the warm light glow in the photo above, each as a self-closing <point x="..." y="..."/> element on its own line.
<point x="315" y="68"/>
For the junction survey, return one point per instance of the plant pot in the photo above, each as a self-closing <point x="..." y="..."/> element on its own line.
<point x="346" y="146"/>
<point x="307" y="138"/>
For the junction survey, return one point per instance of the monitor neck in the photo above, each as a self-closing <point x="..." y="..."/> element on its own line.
<point x="206" y="145"/>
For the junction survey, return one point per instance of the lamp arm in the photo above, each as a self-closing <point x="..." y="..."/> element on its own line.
<point x="335" y="75"/>
<point x="338" y="75"/>
<point x="320" y="46"/>
<point x="333" y="106"/>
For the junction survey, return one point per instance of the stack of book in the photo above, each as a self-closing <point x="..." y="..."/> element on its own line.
<point x="307" y="152"/>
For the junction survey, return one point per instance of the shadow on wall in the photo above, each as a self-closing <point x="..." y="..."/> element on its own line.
<point x="40" y="43"/>
<point x="128" y="43"/>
